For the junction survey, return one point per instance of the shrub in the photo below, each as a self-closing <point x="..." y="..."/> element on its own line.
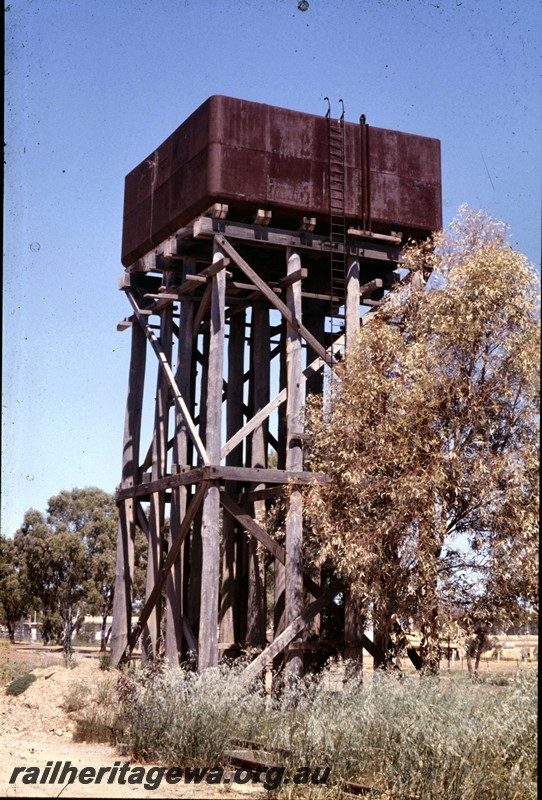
<point x="76" y="697"/>
<point x="20" y="684"/>
<point x="99" y="720"/>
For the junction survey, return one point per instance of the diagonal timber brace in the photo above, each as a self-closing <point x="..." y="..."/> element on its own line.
<point x="280" y="398"/>
<point x="270" y="295"/>
<point x="173" y="553"/>
<point x="251" y="526"/>
<point x="289" y="633"/>
<point x="164" y="363"/>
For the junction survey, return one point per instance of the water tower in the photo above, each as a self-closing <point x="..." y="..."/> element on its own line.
<point x="256" y="241"/>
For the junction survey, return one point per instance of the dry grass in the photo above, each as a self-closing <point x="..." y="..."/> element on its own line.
<point x="433" y="739"/>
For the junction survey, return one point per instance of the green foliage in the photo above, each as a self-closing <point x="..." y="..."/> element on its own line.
<point x="20" y="684"/>
<point x="14" y="599"/>
<point x="430" y="433"/>
<point x="66" y="561"/>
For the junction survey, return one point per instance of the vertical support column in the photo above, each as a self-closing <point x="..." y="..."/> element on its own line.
<point x="352" y="301"/>
<point x="210" y="566"/>
<point x="151" y="632"/>
<point x="278" y="611"/>
<point x="260" y="361"/>
<point x="353" y="616"/>
<point x="294" y="461"/>
<point x="229" y="597"/>
<point x="194" y="576"/>
<point x="179" y="495"/>
<point x="124" y="570"/>
<point x="314" y="320"/>
<point x="354" y="627"/>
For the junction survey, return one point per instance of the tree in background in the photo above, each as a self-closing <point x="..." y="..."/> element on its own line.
<point x="92" y="515"/>
<point x="56" y="569"/>
<point x="430" y="434"/>
<point x="14" y="600"/>
<point x="67" y="561"/>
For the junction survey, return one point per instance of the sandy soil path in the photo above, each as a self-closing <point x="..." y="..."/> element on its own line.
<point x="35" y="729"/>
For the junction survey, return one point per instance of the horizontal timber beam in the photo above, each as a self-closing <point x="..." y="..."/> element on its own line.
<point x="183" y="478"/>
<point x="257" y="475"/>
<point x="203" y="227"/>
<point x="190" y="475"/>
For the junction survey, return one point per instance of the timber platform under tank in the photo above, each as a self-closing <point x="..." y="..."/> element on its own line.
<point x="249" y="156"/>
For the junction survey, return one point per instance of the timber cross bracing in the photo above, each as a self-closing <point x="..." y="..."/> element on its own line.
<point x="220" y="408"/>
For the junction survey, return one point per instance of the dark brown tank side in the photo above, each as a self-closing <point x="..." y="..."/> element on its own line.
<point x="251" y="155"/>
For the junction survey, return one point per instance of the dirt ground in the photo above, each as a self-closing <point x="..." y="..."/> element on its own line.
<point x="36" y="729"/>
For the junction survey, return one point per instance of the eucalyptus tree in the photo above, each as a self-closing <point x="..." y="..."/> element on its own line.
<point x="14" y="600"/>
<point x="67" y="560"/>
<point x="430" y="433"/>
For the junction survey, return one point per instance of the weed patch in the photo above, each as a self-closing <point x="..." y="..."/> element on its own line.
<point x="9" y="670"/>
<point x="423" y="738"/>
<point x="20" y="684"/>
<point x="95" y="711"/>
<point x="180" y="717"/>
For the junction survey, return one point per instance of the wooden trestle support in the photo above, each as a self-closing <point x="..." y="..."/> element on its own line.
<point x="206" y="589"/>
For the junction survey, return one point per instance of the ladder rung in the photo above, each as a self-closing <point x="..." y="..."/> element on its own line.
<point x="337" y="236"/>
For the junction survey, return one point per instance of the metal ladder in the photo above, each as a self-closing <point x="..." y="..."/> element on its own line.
<point x="337" y="221"/>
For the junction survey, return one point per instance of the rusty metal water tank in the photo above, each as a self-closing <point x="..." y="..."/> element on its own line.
<point x="249" y="155"/>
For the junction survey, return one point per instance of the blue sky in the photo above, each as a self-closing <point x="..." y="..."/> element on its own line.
<point x="93" y="87"/>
